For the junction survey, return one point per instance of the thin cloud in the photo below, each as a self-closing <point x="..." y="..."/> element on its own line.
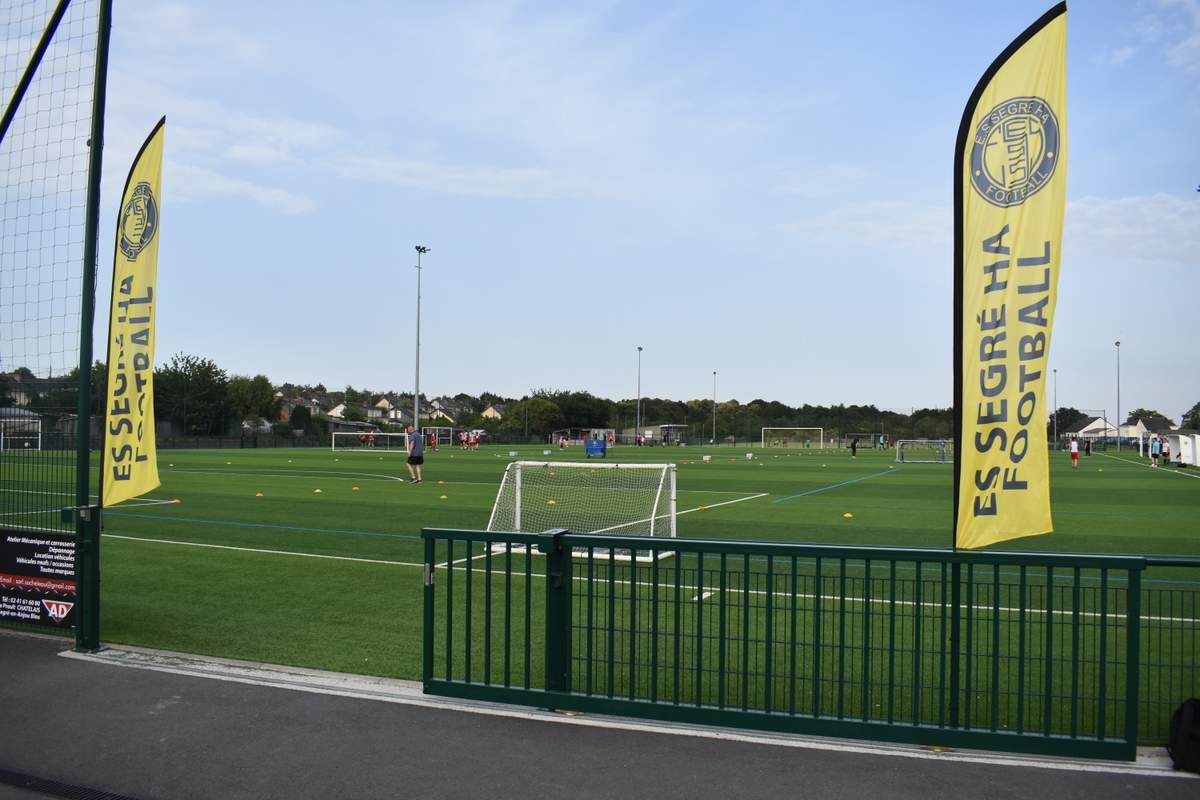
<point x="522" y="183"/>
<point x="188" y="183"/>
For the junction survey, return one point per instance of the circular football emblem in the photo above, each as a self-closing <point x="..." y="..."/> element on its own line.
<point x="1014" y="151"/>
<point x="139" y="221"/>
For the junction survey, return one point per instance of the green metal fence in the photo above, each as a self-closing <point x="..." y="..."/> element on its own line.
<point x="1003" y="651"/>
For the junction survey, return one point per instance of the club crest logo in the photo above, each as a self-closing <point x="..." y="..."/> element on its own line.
<point x="1014" y="151"/>
<point x="57" y="610"/>
<point x="139" y="221"/>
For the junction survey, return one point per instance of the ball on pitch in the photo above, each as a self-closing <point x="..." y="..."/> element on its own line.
<point x="316" y="491"/>
<point x="551" y="502"/>
<point x="848" y="515"/>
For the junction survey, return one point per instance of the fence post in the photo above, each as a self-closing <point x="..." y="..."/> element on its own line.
<point x="558" y="610"/>
<point x="1133" y="621"/>
<point x="429" y="598"/>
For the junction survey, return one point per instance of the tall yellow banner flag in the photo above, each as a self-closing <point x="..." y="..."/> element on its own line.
<point x="129" y="463"/>
<point x="1009" y="196"/>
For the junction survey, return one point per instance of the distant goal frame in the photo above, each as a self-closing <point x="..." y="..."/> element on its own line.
<point x="944" y="446"/>
<point x="820" y="432"/>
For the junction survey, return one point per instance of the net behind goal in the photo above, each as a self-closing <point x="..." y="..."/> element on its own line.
<point x="620" y="499"/>
<point x="367" y="440"/>
<point x="924" y="451"/>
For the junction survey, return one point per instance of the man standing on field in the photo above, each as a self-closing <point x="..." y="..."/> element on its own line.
<point x="1074" y="454"/>
<point x="415" y="444"/>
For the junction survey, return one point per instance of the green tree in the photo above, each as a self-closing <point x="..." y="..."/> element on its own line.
<point x="543" y="413"/>
<point x="1141" y="413"/>
<point x="193" y="392"/>
<point x="252" y="397"/>
<point x="301" y="418"/>
<point x="1191" y="418"/>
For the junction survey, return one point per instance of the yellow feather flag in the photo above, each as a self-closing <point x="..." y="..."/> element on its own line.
<point x="129" y="465"/>
<point x="1009" y="196"/>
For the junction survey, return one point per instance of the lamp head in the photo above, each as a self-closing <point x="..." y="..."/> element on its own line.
<point x="422" y="248"/>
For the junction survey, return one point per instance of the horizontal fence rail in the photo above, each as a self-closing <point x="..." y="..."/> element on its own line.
<point x="1003" y="651"/>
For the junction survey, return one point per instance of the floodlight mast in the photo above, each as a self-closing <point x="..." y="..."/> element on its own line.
<point x="714" y="433"/>
<point x="1118" y="346"/>
<point x="421" y="250"/>
<point x="638" y="430"/>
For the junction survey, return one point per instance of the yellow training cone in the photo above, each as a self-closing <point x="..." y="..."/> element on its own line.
<point x="848" y="515"/>
<point x="354" y="488"/>
<point x="444" y="497"/>
<point x="316" y="491"/>
<point x="551" y="502"/>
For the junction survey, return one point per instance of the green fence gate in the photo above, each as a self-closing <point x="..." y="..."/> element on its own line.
<point x="1002" y="651"/>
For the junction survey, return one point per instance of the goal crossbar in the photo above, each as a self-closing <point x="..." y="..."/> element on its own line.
<point x="792" y="437"/>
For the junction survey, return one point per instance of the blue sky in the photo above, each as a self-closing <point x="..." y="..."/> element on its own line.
<point x="760" y="189"/>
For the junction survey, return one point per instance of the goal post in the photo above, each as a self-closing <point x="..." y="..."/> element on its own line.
<point x="793" y="437"/>
<point x="924" y="451"/>
<point x="367" y="440"/>
<point x="586" y="497"/>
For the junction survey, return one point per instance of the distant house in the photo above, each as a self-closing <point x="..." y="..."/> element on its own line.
<point x="23" y="390"/>
<point x="495" y="411"/>
<point x="1089" y="428"/>
<point x="447" y="409"/>
<point x="338" y="411"/>
<point x="1147" y="425"/>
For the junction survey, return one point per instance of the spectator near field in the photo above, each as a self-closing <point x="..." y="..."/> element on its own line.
<point x="1074" y="454"/>
<point x="1155" y="450"/>
<point x="1087" y="448"/>
<point x="1166" y="451"/>
<point x="853" y="447"/>
<point x="415" y="444"/>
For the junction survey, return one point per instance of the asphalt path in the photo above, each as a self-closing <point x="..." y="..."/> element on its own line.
<point x="146" y="734"/>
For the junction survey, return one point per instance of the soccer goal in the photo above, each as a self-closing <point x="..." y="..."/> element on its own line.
<point x="793" y="437"/>
<point x="864" y="440"/>
<point x="924" y="451"/>
<point x="367" y="440"/>
<point x="618" y="499"/>
<point x="439" y="436"/>
<point x="20" y="433"/>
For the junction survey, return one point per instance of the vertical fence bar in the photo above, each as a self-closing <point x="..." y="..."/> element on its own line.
<point x="699" y="687"/>
<point x="745" y="632"/>
<point x="969" y="652"/>
<point x="449" y="609"/>
<point x="487" y="613"/>
<point x="610" y="654"/>
<point x="678" y="629"/>
<point x="1075" y="655"/>
<point x="633" y="622"/>
<point x="654" y="627"/>
<point x="816" y="668"/>
<point x="891" y="666"/>
<point x="508" y="614"/>
<point x="470" y="612"/>
<point x="1048" y="700"/>
<point x="916" y="676"/>
<point x="558" y="611"/>
<point x="1101" y="722"/>
<point x="946" y="638"/>
<point x="793" y="644"/>
<point x="767" y="640"/>
<point x="841" y="641"/>
<point x="954" y="655"/>
<point x="1021" y="614"/>
<point x="995" y="701"/>
<point x="866" y="670"/>
<point x="1133" y="622"/>
<point x="721" y="636"/>
<point x="528" y="614"/>
<point x="428" y="601"/>
<point x="591" y="611"/>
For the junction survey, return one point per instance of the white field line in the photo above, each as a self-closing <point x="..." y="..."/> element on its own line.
<point x="681" y="513"/>
<point x="261" y="550"/>
<point x="1147" y="466"/>
<point x="698" y="590"/>
<point x="703" y="596"/>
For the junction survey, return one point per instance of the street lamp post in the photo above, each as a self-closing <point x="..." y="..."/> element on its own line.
<point x="1118" y="346"/>
<point x="714" y="434"/>
<point x="637" y="432"/>
<point x="421" y="250"/>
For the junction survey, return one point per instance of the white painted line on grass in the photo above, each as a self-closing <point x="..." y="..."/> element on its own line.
<point x="1151" y="762"/>
<point x="702" y="596"/>
<point x="1148" y="466"/>
<point x="261" y="550"/>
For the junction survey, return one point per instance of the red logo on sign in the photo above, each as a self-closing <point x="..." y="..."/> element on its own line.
<point x="57" y="609"/>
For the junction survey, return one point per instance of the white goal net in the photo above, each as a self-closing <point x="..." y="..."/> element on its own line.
<point x="618" y="499"/>
<point x="367" y="440"/>
<point x="924" y="451"/>
<point x="793" y="437"/>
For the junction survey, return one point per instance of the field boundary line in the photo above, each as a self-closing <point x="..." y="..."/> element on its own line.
<point x="270" y="526"/>
<point x="1147" y="466"/>
<point x="262" y="550"/>
<point x="887" y="471"/>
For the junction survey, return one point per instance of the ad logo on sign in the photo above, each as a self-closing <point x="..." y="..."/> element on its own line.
<point x="57" y="609"/>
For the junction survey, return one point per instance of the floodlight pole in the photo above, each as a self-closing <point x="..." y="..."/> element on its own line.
<point x="1118" y="346"/>
<point x="1056" y="408"/>
<point x="638" y="424"/>
<point x="714" y="435"/>
<point x="421" y="250"/>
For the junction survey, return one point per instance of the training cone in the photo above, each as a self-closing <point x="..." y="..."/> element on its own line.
<point x="354" y="488"/>
<point x="848" y="515"/>
<point x="551" y="502"/>
<point x="170" y="465"/>
<point x="441" y="483"/>
<point x="228" y="462"/>
<point x="316" y="491"/>
<point x="258" y="494"/>
<point x="444" y="497"/>
<point x="703" y="508"/>
<point x="176" y="501"/>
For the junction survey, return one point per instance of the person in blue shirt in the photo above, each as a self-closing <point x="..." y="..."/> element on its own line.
<point x="415" y="444"/>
